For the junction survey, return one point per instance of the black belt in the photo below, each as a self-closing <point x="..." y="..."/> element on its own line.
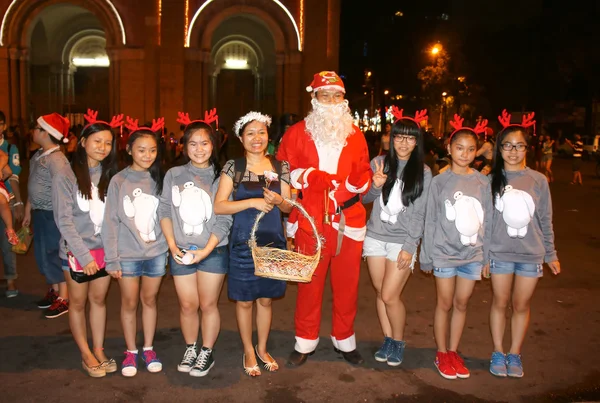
<point x="348" y="203"/>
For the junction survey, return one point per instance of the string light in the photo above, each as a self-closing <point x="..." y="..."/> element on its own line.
<point x="186" y="23"/>
<point x="159" y="22"/>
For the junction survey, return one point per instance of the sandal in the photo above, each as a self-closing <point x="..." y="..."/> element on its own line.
<point x="110" y="365"/>
<point x="250" y="371"/>
<point x="13" y="239"/>
<point x="270" y="365"/>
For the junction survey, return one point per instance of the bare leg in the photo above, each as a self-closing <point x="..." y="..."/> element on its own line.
<point x="264" y="316"/>
<point x="130" y="294"/>
<point x="393" y="284"/>
<point x="376" y="266"/>
<point x="243" y="313"/>
<point x="5" y="214"/>
<point x="150" y="287"/>
<point x="501" y="287"/>
<point x="445" y="294"/>
<point x="77" y="322"/>
<point x="209" y="289"/>
<point x="187" y="292"/>
<point x="462" y="294"/>
<point x="523" y="291"/>
<point x="97" y="296"/>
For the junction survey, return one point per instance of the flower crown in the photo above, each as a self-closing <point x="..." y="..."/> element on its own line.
<point x="250" y="117"/>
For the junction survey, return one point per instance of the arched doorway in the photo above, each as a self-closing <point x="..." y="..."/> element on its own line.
<point x="68" y="62"/>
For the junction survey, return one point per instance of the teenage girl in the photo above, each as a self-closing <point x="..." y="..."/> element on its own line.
<point x="197" y="239"/>
<point x="522" y="240"/>
<point x="78" y="195"/>
<point x="134" y="243"/>
<point x="50" y="133"/>
<point x="399" y="190"/>
<point x="455" y="241"/>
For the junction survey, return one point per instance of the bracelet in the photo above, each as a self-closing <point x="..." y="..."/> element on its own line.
<point x="282" y="200"/>
<point x="18" y="204"/>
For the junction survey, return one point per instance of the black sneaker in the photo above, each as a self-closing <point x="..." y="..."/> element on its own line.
<point x="58" y="308"/>
<point x="204" y="363"/>
<point x="188" y="360"/>
<point x="48" y="300"/>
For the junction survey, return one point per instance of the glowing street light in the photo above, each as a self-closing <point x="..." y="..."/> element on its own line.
<point x="386" y="92"/>
<point x="436" y="49"/>
<point x="444" y="93"/>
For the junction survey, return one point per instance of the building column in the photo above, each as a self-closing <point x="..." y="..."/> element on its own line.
<point x="24" y="78"/>
<point x="15" y="86"/>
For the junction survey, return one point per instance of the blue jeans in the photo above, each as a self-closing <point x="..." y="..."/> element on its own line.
<point x="154" y="267"/>
<point x="534" y="270"/>
<point x="46" y="240"/>
<point x="470" y="271"/>
<point x="217" y="262"/>
<point x="8" y="256"/>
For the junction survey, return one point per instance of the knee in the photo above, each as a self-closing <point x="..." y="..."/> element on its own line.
<point x="500" y="301"/>
<point x="97" y="300"/>
<point x="265" y="302"/>
<point x="188" y="307"/>
<point x="521" y="306"/>
<point x="389" y="298"/>
<point x="148" y="301"/>
<point x="208" y="305"/>
<point x="129" y="304"/>
<point x="77" y="305"/>
<point x="460" y="304"/>
<point x="444" y="304"/>
<point x="245" y="304"/>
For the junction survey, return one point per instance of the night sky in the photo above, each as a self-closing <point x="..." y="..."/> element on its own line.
<point x="520" y="55"/>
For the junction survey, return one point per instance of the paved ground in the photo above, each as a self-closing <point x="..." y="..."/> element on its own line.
<point x="39" y="361"/>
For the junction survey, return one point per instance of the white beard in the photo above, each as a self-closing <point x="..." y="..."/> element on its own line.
<point x="329" y="125"/>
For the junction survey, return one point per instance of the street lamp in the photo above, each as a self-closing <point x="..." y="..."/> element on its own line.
<point x="386" y="92"/>
<point x="436" y="49"/>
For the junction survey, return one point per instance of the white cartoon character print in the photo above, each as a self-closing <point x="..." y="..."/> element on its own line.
<point x="517" y="208"/>
<point x="143" y="212"/>
<point x="389" y="213"/>
<point x="195" y="207"/>
<point x="467" y="215"/>
<point x="95" y="207"/>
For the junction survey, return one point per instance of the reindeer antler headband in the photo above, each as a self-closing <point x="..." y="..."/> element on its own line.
<point x="91" y="117"/>
<point x="132" y="125"/>
<point x="420" y="116"/>
<point x="209" y="117"/>
<point x="457" y="124"/>
<point x="249" y="117"/>
<point x="526" y="121"/>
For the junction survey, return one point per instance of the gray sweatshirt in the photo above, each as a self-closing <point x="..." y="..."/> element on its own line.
<point x="131" y="230"/>
<point x="522" y="222"/>
<point x="457" y="221"/>
<point x="44" y="166"/>
<point x="187" y="199"/>
<point x="395" y="222"/>
<point x="79" y="220"/>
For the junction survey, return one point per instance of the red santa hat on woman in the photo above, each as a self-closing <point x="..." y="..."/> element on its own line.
<point x="56" y="125"/>
<point x="326" y="80"/>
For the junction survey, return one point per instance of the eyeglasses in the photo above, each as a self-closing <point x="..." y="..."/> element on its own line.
<point x="408" y="139"/>
<point x="509" y="147"/>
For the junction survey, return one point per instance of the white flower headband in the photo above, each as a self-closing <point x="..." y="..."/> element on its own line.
<point x="250" y="117"/>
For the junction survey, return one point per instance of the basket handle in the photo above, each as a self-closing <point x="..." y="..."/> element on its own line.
<point x="252" y="241"/>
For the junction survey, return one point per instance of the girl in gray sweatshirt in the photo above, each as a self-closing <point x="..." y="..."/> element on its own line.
<point x="455" y="241"/>
<point x="197" y="239"/>
<point x="399" y="194"/>
<point x="134" y="243"/>
<point x="522" y="240"/>
<point x="78" y="196"/>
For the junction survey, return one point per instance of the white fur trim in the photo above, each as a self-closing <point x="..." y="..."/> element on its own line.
<point x="356" y="234"/>
<point x="354" y="189"/>
<point x="291" y="229"/>
<point x="305" y="346"/>
<point x="345" y="345"/>
<point x="249" y="117"/>
<point x="295" y="175"/>
<point x="309" y="89"/>
<point x="51" y="130"/>
<point x="330" y="87"/>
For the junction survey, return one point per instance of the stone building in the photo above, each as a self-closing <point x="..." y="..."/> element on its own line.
<point x="149" y="58"/>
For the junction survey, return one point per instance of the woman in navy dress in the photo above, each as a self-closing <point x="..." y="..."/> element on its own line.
<point x="244" y="196"/>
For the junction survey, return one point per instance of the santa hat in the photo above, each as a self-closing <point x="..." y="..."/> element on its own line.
<point x="56" y="125"/>
<point x="326" y="80"/>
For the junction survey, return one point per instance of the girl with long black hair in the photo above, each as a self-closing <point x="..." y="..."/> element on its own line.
<point x="399" y="191"/>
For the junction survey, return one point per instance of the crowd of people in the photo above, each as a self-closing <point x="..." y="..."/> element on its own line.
<point x="93" y="222"/>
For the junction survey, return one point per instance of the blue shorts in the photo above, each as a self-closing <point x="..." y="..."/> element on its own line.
<point x="155" y="267"/>
<point x="217" y="262"/>
<point x="534" y="270"/>
<point x="470" y="271"/>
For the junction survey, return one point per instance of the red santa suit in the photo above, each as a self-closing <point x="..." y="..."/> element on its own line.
<point x="350" y="165"/>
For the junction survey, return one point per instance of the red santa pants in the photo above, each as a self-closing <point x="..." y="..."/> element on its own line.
<point x="345" y="272"/>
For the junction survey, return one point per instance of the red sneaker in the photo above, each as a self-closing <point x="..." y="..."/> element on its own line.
<point x="13" y="239"/>
<point x="443" y="364"/>
<point x="459" y="365"/>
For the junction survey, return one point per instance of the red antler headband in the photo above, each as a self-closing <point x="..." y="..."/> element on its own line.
<point x="420" y="116"/>
<point x="457" y="124"/>
<point x="527" y="120"/>
<point x="157" y="124"/>
<point x="91" y="117"/>
<point x="209" y="117"/>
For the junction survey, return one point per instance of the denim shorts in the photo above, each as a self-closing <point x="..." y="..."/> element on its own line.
<point x="155" y="267"/>
<point x="470" y="271"/>
<point x="217" y="262"/>
<point x="534" y="270"/>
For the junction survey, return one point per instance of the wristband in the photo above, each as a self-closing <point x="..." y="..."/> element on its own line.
<point x="18" y="204"/>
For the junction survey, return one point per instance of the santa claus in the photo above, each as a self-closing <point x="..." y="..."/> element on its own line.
<point x="329" y="163"/>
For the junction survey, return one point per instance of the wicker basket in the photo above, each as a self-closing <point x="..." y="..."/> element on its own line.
<point x="282" y="264"/>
